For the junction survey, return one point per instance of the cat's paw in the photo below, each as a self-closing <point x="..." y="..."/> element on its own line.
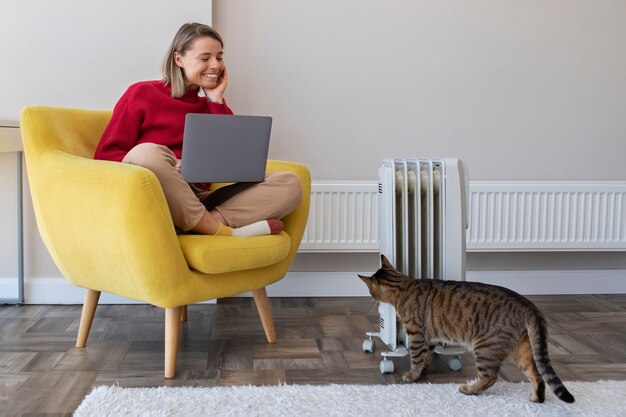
<point x="424" y="370"/>
<point x="410" y="376"/>
<point x="466" y="389"/>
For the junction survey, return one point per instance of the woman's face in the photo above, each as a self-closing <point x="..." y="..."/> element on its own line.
<point x="202" y="64"/>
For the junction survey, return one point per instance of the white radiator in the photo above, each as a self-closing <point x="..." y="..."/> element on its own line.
<point x="542" y="216"/>
<point x="504" y="216"/>
<point x="422" y="220"/>
<point x="343" y="217"/>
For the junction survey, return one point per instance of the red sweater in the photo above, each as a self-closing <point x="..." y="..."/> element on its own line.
<point x="148" y="113"/>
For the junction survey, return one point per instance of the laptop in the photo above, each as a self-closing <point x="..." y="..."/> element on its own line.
<point x="225" y="148"/>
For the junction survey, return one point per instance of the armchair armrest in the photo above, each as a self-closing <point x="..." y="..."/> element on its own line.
<point x="295" y="222"/>
<point x="105" y="219"/>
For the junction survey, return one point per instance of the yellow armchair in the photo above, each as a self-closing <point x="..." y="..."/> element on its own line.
<point x="108" y="229"/>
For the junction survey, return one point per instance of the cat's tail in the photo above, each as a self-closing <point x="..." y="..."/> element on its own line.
<point x="537" y="333"/>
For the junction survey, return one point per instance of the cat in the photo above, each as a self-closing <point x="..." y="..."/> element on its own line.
<point x="494" y="322"/>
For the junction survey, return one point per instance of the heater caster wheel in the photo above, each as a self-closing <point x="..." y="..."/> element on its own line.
<point x="369" y="346"/>
<point x="455" y="363"/>
<point x="386" y="367"/>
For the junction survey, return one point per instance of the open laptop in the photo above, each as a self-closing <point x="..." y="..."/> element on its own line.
<point x="225" y="148"/>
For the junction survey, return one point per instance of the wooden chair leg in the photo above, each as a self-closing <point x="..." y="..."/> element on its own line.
<point x="86" y="317"/>
<point x="172" y="333"/>
<point x="263" y="306"/>
<point x="183" y="313"/>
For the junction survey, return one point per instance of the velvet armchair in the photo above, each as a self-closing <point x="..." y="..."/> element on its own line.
<point x="108" y="229"/>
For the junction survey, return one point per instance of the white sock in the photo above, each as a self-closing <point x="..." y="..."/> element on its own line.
<point x="259" y="228"/>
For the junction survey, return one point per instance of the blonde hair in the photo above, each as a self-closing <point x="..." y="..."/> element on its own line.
<point x="172" y="73"/>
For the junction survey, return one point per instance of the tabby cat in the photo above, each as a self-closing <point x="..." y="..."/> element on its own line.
<point x="494" y="322"/>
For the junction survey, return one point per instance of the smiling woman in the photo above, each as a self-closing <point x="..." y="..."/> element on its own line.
<point x="197" y="52"/>
<point x="146" y="129"/>
<point x="203" y="65"/>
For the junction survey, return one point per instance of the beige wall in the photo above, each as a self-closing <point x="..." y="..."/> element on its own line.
<point x="522" y="90"/>
<point x="84" y="54"/>
<point x="532" y="90"/>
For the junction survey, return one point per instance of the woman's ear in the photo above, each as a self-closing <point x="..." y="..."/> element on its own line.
<point x="178" y="59"/>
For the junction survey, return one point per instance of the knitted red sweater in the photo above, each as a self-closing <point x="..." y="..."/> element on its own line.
<point x="148" y="113"/>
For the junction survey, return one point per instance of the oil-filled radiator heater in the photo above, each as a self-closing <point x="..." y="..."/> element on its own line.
<point x="423" y="216"/>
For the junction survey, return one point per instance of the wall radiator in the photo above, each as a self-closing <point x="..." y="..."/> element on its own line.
<point x="548" y="216"/>
<point x="422" y="222"/>
<point x="504" y="216"/>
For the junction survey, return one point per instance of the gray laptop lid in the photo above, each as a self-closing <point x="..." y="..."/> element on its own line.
<point x="225" y="148"/>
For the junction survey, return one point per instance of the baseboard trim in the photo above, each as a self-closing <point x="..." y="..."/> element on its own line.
<point x="346" y="284"/>
<point x="319" y="284"/>
<point x="555" y="282"/>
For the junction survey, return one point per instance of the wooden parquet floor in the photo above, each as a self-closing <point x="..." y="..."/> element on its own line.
<point x="320" y="342"/>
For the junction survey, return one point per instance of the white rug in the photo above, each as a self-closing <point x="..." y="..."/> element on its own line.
<point x="602" y="399"/>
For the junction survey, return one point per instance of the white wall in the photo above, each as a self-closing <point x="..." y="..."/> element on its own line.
<point x="85" y="54"/>
<point x="521" y="90"/>
<point x="76" y="54"/>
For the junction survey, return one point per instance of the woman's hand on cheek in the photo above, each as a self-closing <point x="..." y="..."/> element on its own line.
<point x="217" y="94"/>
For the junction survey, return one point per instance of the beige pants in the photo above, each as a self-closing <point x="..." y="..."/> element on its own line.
<point x="239" y="204"/>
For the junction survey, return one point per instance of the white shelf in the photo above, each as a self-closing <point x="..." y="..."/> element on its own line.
<point x="10" y="137"/>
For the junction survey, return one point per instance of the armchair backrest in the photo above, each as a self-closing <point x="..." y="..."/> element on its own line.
<point x="80" y="140"/>
<point x="49" y="129"/>
<point x="92" y="214"/>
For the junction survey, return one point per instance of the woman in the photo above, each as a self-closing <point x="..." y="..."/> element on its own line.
<point x="146" y="129"/>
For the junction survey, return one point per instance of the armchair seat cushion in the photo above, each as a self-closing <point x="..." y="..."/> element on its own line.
<point x="219" y="254"/>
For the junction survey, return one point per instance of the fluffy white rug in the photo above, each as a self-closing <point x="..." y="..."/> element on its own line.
<point x="602" y="399"/>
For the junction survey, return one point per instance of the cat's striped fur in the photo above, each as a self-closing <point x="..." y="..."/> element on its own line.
<point x="494" y="322"/>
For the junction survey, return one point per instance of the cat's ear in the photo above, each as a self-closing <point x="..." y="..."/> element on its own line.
<point x="365" y="279"/>
<point x="385" y="262"/>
